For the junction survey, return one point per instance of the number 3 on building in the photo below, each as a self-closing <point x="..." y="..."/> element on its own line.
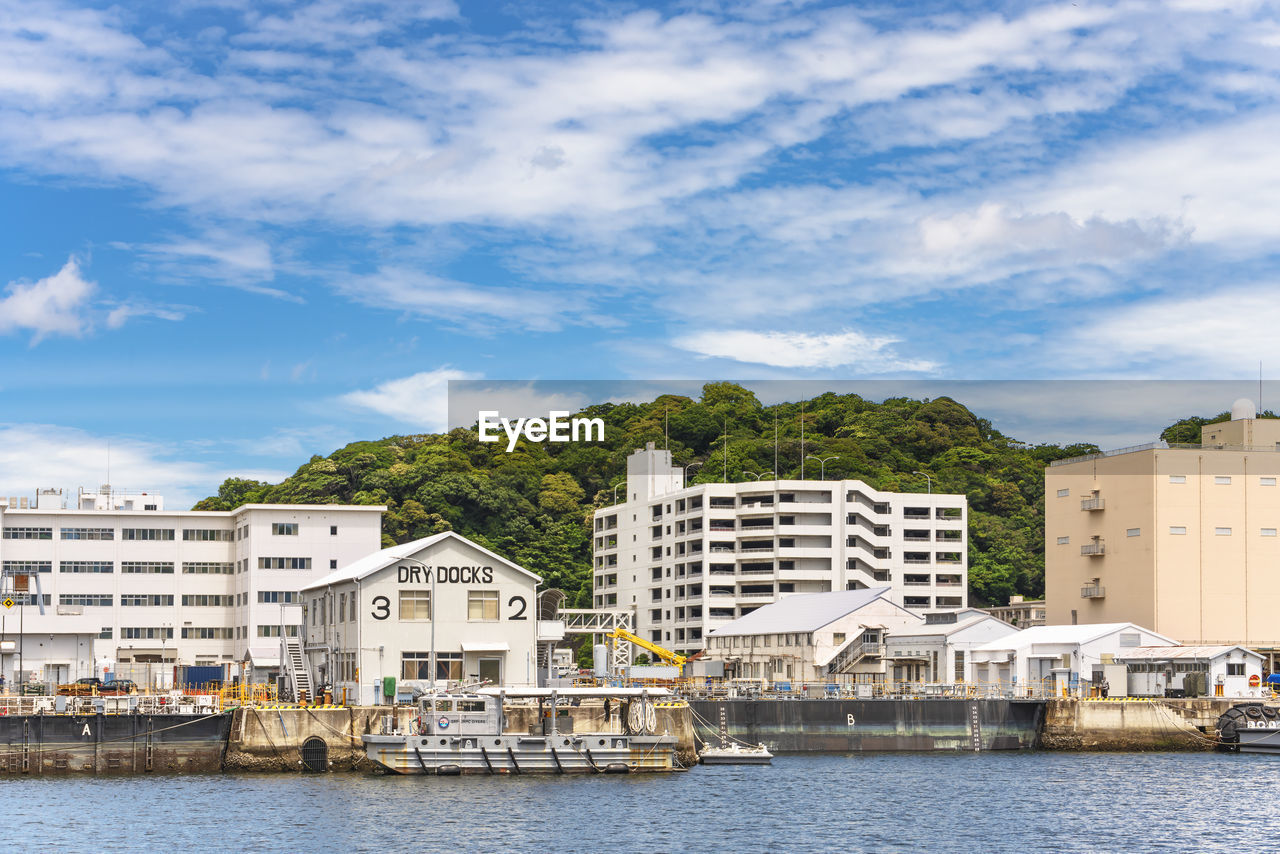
<point x="381" y="607"/>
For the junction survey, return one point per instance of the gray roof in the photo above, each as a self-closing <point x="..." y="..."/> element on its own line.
<point x="371" y="563"/>
<point x="802" y="612"/>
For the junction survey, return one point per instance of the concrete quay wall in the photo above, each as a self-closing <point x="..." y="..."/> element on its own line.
<point x="272" y="738"/>
<point x="1132" y="724"/>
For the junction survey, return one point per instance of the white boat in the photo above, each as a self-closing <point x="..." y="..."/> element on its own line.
<point x="466" y="733"/>
<point x="735" y="753"/>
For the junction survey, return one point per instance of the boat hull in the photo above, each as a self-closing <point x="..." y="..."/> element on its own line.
<point x="580" y="753"/>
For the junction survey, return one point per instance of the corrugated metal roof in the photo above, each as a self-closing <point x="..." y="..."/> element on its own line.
<point x="1065" y="635"/>
<point x="371" y="563"/>
<point x="1168" y="653"/>
<point x="802" y="612"/>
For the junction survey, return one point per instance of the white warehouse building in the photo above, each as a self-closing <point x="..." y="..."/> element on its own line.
<point x="385" y="616"/>
<point x="688" y="559"/>
<point x="118" y="584"/>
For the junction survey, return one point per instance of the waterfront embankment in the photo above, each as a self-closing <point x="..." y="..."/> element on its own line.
<point x="1132" y="724"/>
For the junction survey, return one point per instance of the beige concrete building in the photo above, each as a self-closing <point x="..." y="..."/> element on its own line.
<point x="1179" y="538"/>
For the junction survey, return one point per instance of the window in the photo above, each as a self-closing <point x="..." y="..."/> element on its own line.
<point x="1268" y="532"/>
<point x="1222" y="532"/>
<point x="415" y="604"/>
<point x="1177" y="478"/>
<point x="1177" y="529"/>
<point x="284" y="563"/>
<point x="274" y="631"/>
<point x="86" y="566"/>
<point x="837" y="638"/>
<point x="146" y="533"/>
<point x="417" y="665"/>
<point x="27" y="567"/>
<point x="146" y="567"/>
<point x="1235" y="668"/>
<point x="284" y="597"/>
<point x="286" y="529"/>
<point x="146" y="633"/>
<point x="28" y="533"/>
<point x="207" y="633"/>
<point x="208" y="535"/>
<point x="1266" y="481"/>
<point x="144" y="600"/>
<point x="104" y="633"/>
<point x="1130" y="639"/>
<point x="92" y="600"/>
<point x="1222" y="479"/>
<point x="1063" y="493"/>
<point x="1062" y="541"/>
<point x="333" y="564"/>
<point x="342" y="608"/>
<point x="333" y="530"/>
<point x="88" y="533"/>
<point x="206" y="568"/>
<point x="208" y="600"/>
<point x="959" y="671"/>
<point x="1133" y="532"/>
<point x="482" y="604"/>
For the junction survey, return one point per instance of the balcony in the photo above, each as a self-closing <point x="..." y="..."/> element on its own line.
<point x="1094" y="549"/>
<point x="1093" y="591"/>
<point x="1094" y="503"/>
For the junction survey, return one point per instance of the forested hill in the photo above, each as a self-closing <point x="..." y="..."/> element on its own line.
<point x="533" y="505"/>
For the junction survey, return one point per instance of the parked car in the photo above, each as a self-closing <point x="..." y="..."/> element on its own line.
<point x="81" y="687"/>
<point x="117" y="687"/>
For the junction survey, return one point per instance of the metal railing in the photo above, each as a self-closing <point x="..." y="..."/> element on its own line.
<point x="1093" y="591"/>
<point x="1093" y="549"/>
<point x="1093" y="504"/>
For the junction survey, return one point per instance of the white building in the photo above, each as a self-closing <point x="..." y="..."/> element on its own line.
<point x="687" y="559"/>
<point x="119" y="584"/>
<point x="942" y="651"/>
<point x="815" y="637"/>
<point x="387" y="613"/>
<point x="1054" y="658"/>
<point x="1229" y="670"/>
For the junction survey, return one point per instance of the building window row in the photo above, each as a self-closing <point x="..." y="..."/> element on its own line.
<point x="27" y="567"/>
<point x="146" y="633"/>
<point x="286" y="529"/>
<point x="274" y="631"/>
<point x="91" y="600"/>
<point x="200" y="567"/>
<point x="283" y="597"/>
<point x="86" y="566"/>
<point x="208" y="600"/>
<point x="87" y="533"/>
<point x="207" y="632"/>
<point x="208" y="535"/>
<point x="284" y="563"/>
<point x="28" y="533"/>
<point x="151" y="534"/>
<point x="146" y="600"/>
<point x="146" y="567"/>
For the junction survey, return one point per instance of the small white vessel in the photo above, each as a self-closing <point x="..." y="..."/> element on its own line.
<point x="736" y="753"/>
<point x="465" y="733"/>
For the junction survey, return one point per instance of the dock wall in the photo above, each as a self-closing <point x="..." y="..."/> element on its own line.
<point x="272" y="738"/>
<point x="1131" y="724"/>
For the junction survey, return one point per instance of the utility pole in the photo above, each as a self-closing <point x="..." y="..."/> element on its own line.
<point x="802" y="457"/>
<point x="726" y="449"/>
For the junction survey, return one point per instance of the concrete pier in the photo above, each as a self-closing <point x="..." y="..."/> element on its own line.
<point x="1132" y="724"/>
<point x="290" y="739"/>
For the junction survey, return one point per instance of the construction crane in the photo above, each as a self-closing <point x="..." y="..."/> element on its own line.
<point x="667" y="656"/>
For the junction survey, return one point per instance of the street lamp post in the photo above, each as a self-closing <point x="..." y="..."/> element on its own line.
<point x="822" y="464"/>
<point x="928" y="481"/>
<point x="756" y="476"/>
<point x="686" y="472"/>
<point x="615" y="500"/>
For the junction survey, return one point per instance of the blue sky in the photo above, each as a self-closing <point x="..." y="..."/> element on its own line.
<point x="236" y="234"/>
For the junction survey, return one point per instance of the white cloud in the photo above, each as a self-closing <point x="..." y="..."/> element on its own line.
<point x="1215" y="334"/>
<point x="34" y="456"/>
<point x="847" y="349"/>
<point x="421" y="399"/>
<point x="56" y="305"/>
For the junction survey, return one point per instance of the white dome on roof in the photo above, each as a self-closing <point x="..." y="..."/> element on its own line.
<point x="1243" y="409"/>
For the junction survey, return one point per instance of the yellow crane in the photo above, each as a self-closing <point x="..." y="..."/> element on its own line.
<point x="667" y="656"/>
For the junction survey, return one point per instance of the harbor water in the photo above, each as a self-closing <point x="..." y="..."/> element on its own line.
<point x="1015" y="801"/>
